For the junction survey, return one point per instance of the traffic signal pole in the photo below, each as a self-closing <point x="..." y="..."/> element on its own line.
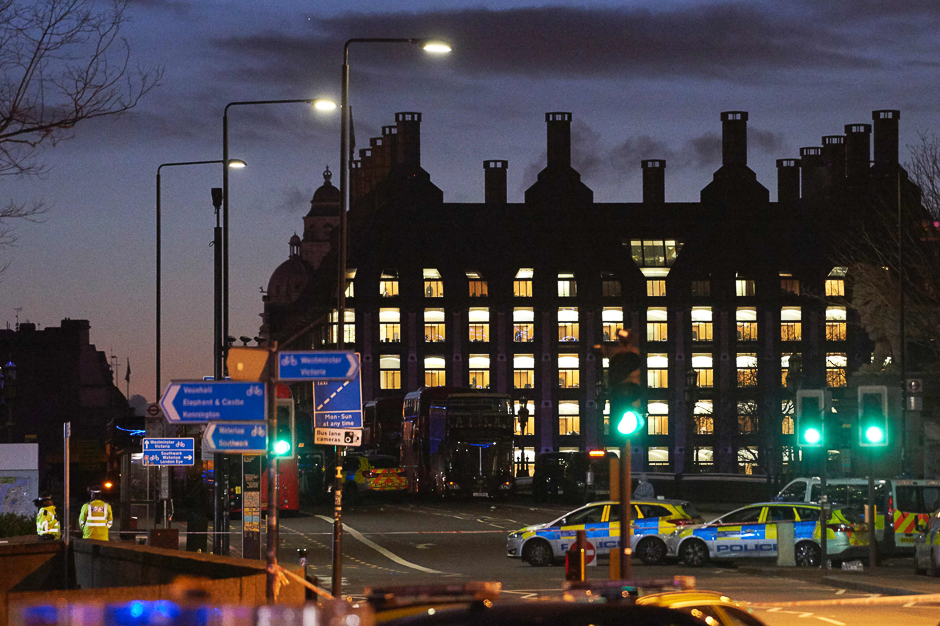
<point x="626" y="568"/>
<point x="272" y="529"/>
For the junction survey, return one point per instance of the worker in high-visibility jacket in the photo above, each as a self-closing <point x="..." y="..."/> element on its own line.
<point x="47" y="522"/>
<point x="95" y="518"/>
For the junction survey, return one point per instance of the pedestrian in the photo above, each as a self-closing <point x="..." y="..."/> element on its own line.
<point x="95" y="518"/>
<point x="644" y="490"/>
<point x="47" y="522"/>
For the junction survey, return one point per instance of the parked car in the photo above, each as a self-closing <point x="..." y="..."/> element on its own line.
<point x="548" y="475"/>
<point x="370" y="474"/>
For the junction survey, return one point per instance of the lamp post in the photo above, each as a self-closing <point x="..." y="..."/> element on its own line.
<point x="321" y="104"/>
<point x="7" y="393"/>
<point x="429" y="46"/>
<point x="236" y="164"/>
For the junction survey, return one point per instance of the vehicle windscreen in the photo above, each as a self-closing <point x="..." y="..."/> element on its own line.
<point x="917" y="498"/>
<point x="480" y="459"/>
<point x="852" y="495"/>
<point x="793" y="493"/>
<point x="383" y="462"/>
<point x="690" y="510"/>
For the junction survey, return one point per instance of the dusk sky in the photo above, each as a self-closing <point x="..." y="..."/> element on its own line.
<point x="642" y="79"/>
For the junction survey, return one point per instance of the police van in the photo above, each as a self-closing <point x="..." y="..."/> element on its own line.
<point x="751" y="531"/>
<point x="650" y="522"/>
<point x="903" y="503"/>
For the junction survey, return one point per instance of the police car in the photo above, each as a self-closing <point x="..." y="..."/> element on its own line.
<point x="651" y="522"/>
<point x="751" y="531"/>
<point x="371" y="473"/>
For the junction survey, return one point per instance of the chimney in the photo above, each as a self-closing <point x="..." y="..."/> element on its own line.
<point x="366" y="169"/>
<point x="813" y="172"/>
<point x="654" y="181"/>
<point x="494" y="181"/>
<point x="734" y="138"/>
<point x="409" y="138"/>
<point x="390" y="139"/>
<point x="559" y="139"/>
<point x="833" y="154"/>
<point x="857" y="151"/>
<point x="355" y="180"/>
<point x="885" y="122"/>
<point x="380" y="161"/>
<point x="788" y="181"/>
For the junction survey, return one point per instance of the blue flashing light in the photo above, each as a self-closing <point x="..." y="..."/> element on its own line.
<point x="136" y="609"/>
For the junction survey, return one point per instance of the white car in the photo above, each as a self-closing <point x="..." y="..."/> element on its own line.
<point x="927" y="546"/>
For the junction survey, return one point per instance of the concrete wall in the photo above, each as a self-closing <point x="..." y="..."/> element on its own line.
<point x="27" y="567"/>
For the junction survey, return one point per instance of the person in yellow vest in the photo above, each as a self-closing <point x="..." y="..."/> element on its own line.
<point x="47" y="522"/>
<point x="95" y="518"/>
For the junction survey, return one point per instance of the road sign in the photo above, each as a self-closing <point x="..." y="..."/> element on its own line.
<point x="153" y="410"/>
<point x="235" y="437"/>
<point x="196" y="402"/>
<point x="338" y="437"/>
<point x="310" y="365"/>
<point x="337" y="403"/>
<point x="169" y="451"/>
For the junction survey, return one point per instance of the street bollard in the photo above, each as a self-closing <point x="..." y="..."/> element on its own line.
<point x="786" y="544"/>
<point x="574" y="558"/>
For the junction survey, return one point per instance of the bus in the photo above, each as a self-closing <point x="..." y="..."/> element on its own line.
<point x="458" y="442"/>
<point x="381" y="420"/>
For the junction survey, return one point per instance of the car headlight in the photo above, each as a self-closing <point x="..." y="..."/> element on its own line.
<point x="515" y="535"/>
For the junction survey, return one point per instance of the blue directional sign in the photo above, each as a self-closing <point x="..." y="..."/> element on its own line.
<point x="235" y="437"/>
<point x="308" y="365"/>
<point x="205" y="401"/>
<point x="337" y="403"/>
<point x="166" y="451"/>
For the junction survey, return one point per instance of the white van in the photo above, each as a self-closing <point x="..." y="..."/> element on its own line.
<point x="904" y="502"/>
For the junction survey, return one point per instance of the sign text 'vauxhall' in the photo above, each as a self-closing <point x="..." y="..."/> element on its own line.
<point x="194" y="402"/>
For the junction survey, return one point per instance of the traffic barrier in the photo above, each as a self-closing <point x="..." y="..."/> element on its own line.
<point x="786" y="545"/>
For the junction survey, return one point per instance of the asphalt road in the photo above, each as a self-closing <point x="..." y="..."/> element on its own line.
<point x="396" y="543"/>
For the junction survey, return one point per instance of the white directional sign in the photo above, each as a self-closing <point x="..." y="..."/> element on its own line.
<point x="338" y="437"/>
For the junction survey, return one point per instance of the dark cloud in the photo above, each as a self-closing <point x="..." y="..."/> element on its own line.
<point x="294" y="200"/>
<point x="703" y="151"/>
<point x="766" y="141"/>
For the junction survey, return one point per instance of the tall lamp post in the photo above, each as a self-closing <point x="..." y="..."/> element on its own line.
<point x="429" y="45"/>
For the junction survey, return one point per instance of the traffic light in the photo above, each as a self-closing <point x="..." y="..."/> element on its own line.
<point x="627" y="410"/>
<point x="284" y="442"/>
<point x="873" y="416"/>
<point x="810" y="418"/>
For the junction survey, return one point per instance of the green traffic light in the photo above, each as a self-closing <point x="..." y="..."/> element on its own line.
<point x="629" y="423"/>
<point x="812" y="435"/>
<point x="874" y="434"/>
<point x="281" y="447"/>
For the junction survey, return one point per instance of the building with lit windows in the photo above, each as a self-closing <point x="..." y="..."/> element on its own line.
<point x="728" y="294"/>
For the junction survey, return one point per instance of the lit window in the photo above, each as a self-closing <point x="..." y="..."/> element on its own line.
<point x="746" y="318"/>
<point x="569" y="376"/>
<point x="656" y="288"/>
<point x="657" y="423"/>
<point x="523" y="329"/>
<point x="835" y="369"/>
<point x="530" y="422"/>
<point x="607" y="417"/>
<point x="569" y="417"/>
<point x="349" y="327"/>
<point x="701" y="288"/>
<point x="791" y="328"/>
<point x="747" y="459"/>
<point x="702" y="364"/>
<point x="657" y="371"/>
<point x="389" y="325"/>
<point x="434" y="325"/>
<point x="434" y="375"/>
<point x="388" y="283"/>
<point x="656" y="324"/>
<point x="350" y="290"/>
<point x="654" y="253"/>
<point x="522" y="285"/>
<point x="785" y="366"/>
<point x="657" y="457"/>
<point x="610" y="286"/>
<point x="704" y="457"/>
<point x="835" y="287"/>
<point x="612" y="319"/>
<point x="479" y="324"/>
<point x="568" y="324"/>
<point x="789" y="285"/>
<point x="567" y="287"/>
<point x="743" y="287"/>
<point x="747" y="369"/>
<point x="787" y="425"/>
<point x="701" y="323"/>
<point x="433" y="286"/>
<point x="704" y="418"/>
<point x="478" y="286"/>
<point x="479" y="371"/>
<point x="389" y="371"/>
<point x="835" y="323"/>
<point x="523" y="371"/>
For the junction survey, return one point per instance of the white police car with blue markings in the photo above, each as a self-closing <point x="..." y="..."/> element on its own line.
<point x="651" y="522"/>
<point x="751" y="531"/>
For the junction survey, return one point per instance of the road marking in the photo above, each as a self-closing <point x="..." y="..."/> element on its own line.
<point x="840" y="592"/>
<point x="805" y="615"/>
<point x="424" y="546"/>
<point x="386" y="553"/>
<point x="831" y="621"/>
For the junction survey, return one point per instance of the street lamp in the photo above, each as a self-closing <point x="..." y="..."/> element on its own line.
<point x="320" y="104"/>
<point x="234" y="164"/>
<point x="434" y="47"/>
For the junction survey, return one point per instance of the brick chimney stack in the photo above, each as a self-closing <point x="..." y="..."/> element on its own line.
<point x="408" y="151"/>
<point x="857" y="151"/>
<point x="559" y="139"/>
<point x="788" y="181"/>
<point x="885" y="123"/>
<point x="734" y="138"/>
<point x="654" y="181"/>
<point x="812" y="172"/>
<point x="494" y="181"/>
<point x="390" y="139"/>
<point x="833" y="154"/>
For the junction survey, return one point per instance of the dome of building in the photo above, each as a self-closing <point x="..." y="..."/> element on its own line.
<point x="326" y="198"/>
<point x="291" y="277"/>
